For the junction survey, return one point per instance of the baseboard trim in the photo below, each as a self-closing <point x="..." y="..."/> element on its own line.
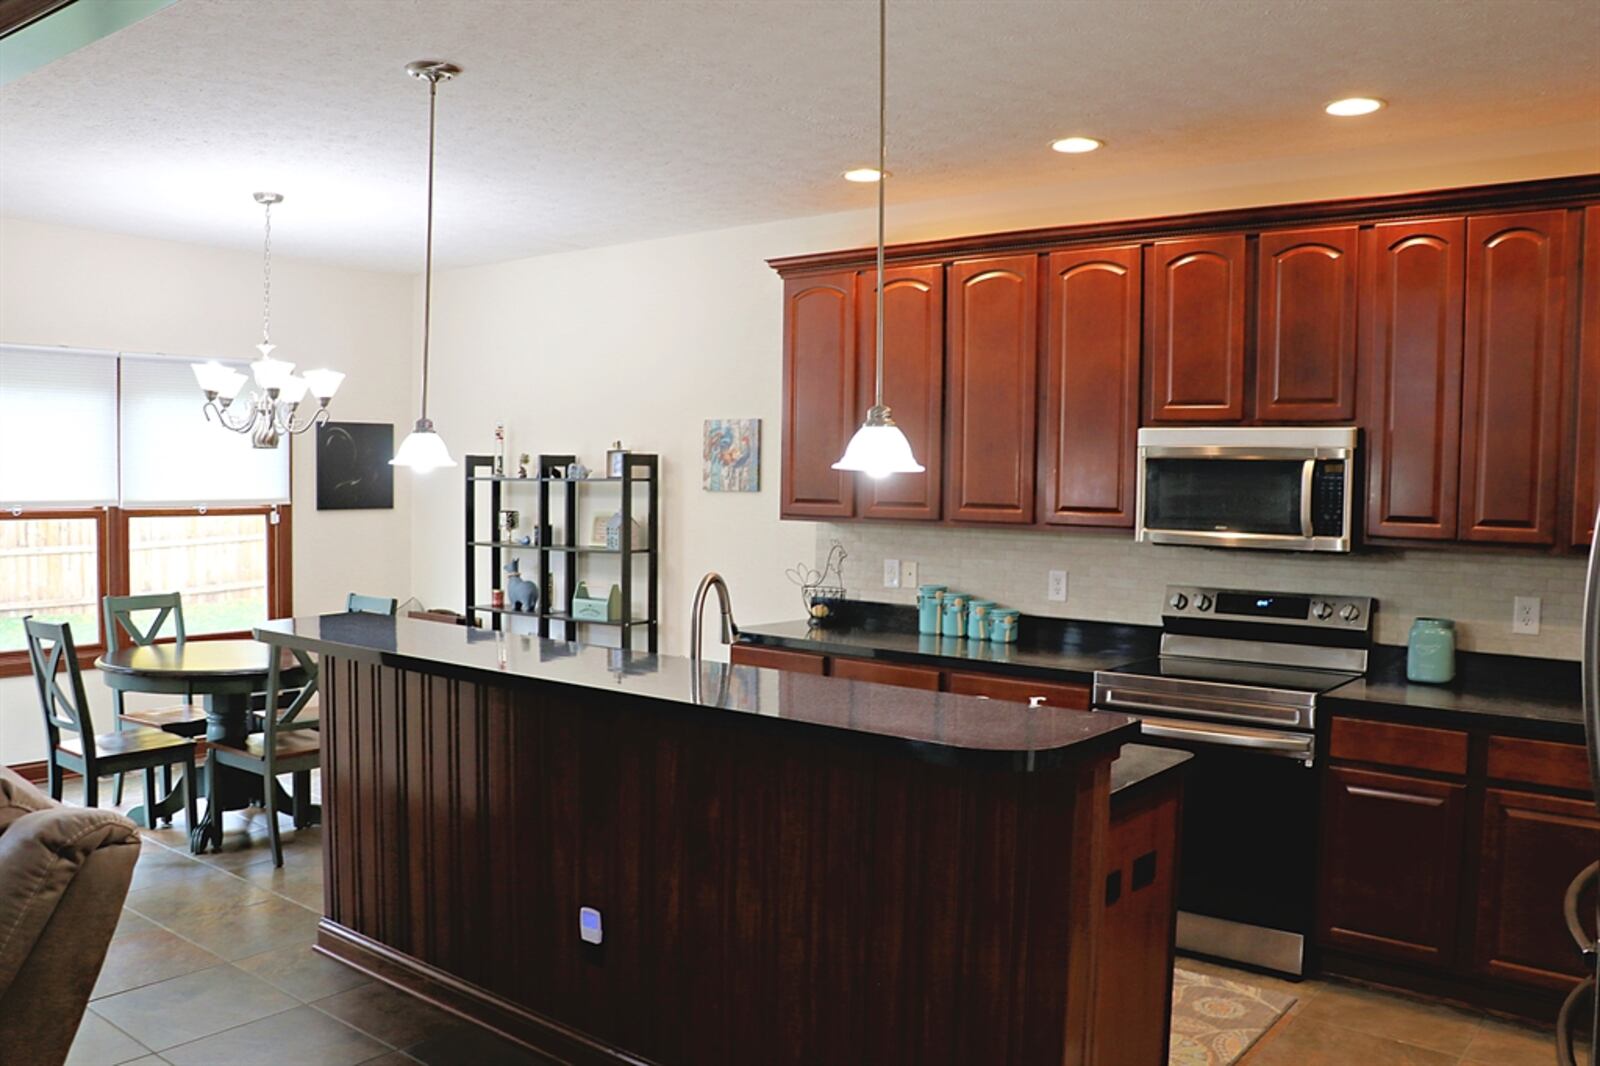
<point x="36" y="772"/>
<point x="467" y="1001"/>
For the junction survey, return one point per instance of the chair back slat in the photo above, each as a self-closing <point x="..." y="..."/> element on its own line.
<point x="119" y="612"/>
<point x="50" y="648"/>
<point x="359" y="604"/>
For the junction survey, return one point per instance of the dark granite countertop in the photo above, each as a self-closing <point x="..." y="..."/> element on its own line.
<point x="935" y="726"/>
<point x="1141" y="763"/>
<point x="1513" y="689"/>
<point x="1055" y="648"/>
<point x="1540" y="694"/>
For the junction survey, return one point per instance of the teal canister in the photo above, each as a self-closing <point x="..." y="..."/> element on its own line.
<point x="955" y="615"/>
<point x="1003" y="624"/>
<point x="1431" y="653"/>
<point x="978" y="619"/>
<point x="930" y="605"/>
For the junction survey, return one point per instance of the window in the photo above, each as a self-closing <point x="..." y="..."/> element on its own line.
<point x="113" y="483"/>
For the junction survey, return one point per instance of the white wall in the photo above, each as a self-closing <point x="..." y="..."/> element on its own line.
<point x="81" y="288"/>
<point x="644" y="341"/>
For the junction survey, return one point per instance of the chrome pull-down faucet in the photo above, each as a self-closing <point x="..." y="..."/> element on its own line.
<point x="730" y="629"/>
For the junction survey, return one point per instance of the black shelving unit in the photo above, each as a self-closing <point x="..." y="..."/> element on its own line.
<point x="641" y="471"/>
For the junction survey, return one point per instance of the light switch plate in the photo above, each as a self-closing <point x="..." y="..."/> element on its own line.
<point x="891" y="573"/>
<point x="1525" y="615"/>
<point x="908" y="574"/>
<point x="1057" y="587"/>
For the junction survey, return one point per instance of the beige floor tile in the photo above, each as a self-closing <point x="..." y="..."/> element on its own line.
<point x="469" y="1046"/>
<point x="302" y="1036"/>
<point x="188" y="900"/>
<point x="145" y="957"/>
<point x="1511" y="1045"/>
<point x="301" y="972"/>
<point x="132" y="922"/>
<point x="297" y="879"/>
<point x="236" y="933"/>
<point x="1424" y="1025"/>
<point x="397" y="1019"/>
<point x="187" y="1008"/>
<point x="1302" y="991"/>
<point x="99" y="1043"/>
<point x="1302" y="1042"/>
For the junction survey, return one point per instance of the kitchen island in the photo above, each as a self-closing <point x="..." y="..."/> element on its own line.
<point x="780" y="868"/>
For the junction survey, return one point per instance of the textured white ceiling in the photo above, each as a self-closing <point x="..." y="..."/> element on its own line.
<point x="599" y="121"/>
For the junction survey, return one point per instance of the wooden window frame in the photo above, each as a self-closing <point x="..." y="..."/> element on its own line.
<point x="111" y="543"/>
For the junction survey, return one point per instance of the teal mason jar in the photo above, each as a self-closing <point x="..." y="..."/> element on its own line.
<point x="955" y="615"/>
<point x="930" y="605"/>
<point x="1431" y="654"/>
<point x="978" y="619"/>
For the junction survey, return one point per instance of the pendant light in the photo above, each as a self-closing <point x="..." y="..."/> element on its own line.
<point x="879" y="447"/>
<point x="423" y="449"/>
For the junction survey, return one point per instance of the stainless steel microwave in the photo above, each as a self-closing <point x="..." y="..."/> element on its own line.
<point x="1287" y="488"/>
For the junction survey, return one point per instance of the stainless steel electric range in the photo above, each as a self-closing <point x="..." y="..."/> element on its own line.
<point x="1237" y="684"/>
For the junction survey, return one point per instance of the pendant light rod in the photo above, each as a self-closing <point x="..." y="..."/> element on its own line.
<point x="883" y="50"/>
<point x="433" y="72"/>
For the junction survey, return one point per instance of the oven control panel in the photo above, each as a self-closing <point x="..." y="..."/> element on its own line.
<point x="1349" y="613"/>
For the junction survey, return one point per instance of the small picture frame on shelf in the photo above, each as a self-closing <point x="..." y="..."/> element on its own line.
<point x="616" y="459"/>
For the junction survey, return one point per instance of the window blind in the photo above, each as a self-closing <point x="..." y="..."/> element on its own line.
<point x="171" y="455"/>
<point x="58" y="427"/>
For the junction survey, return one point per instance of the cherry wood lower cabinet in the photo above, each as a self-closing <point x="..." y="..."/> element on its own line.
<point x="777" y="659"/>
<point x="1391" y="861"/>
<point x="767" y="893"/>
<point x="881" y="673"/>
<point x="1533" y="846"/>
<point x="1019" y="690"/>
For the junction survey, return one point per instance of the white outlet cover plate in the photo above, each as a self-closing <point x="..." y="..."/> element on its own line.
<point x="1056" y="588"/>
<point x="1525" y="612"/>
<point x="891" y="573"/>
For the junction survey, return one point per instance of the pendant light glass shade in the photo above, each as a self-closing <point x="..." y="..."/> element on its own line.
<point x="879" y="448"/>
<point x="422" y="450"/>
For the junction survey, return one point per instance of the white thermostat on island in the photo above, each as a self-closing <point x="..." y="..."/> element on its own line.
<point x="589" y="925"/>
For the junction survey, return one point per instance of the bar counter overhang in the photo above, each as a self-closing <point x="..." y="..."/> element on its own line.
<point x="787" y="868"/>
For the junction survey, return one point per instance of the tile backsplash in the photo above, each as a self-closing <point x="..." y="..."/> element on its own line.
<point x="1112" y="579"/>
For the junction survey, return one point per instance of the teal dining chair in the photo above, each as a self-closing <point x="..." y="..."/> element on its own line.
<point x="69" y="728"/>
<point x="128" y="623"/>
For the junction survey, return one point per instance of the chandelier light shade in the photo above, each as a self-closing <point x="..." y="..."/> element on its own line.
<point x="423" y="449"/>
<point x="268" y="414"/>
<point x="879" y="447"/>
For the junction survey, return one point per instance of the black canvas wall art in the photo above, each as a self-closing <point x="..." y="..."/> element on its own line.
<point x="353" y="471"/>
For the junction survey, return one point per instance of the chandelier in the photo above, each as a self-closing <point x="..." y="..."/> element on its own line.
<point x="267" y="413"/>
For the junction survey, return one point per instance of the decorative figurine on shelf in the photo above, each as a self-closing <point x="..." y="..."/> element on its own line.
<point x="577" y="472"/>
<point x="526" y="540"/>
<point x="509" y="520"/>
<point x="522" y="593"/>
<point x="522" y="464"/>
<point x="822" y="600"/>
<point x="616" y="459"/>
<point x="499" y="449"/>
<point x="614" y="532"/>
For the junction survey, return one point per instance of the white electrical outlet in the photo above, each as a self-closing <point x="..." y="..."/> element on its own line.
<point x="1525" y="615"/>
<point x="891" y="573"/>
<point x="908" y="574"/>
<point x="1057" y="588"/>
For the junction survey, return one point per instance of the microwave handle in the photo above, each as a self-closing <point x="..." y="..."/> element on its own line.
<point x="1307" y="474"/>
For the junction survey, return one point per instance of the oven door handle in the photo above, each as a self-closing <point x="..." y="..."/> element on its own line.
<point x="1294" y="745"/>
<point x="1308" y="472"/>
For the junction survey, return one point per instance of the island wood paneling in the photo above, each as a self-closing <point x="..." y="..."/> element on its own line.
<point x="766" y="896"/>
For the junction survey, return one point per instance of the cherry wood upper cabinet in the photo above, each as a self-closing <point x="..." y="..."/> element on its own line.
<point x="993" y="370"/>
<point x="1586" y="462"/>
<point x="820" y="408"/>
<point x="913" y="383"/>
<point x="1412" y="286"/>
<point x="1516" y="329"/>
<point x="1090" y="420"/>
<point x="1306" y="325"/>
<point x="1194" y="329"/>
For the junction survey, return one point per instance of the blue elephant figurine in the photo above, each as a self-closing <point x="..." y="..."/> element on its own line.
<point x="521" y="594"/>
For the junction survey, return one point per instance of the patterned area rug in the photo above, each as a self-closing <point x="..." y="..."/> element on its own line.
<point x="1215" y="1021"/>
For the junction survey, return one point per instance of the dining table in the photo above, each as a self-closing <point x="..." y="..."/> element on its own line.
<point x="228" y="674"/>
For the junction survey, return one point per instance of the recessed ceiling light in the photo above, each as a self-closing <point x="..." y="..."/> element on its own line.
<point x="1076" y="145"/>
<point x="865" y="175"/>
<point x="1354" y="105"/>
